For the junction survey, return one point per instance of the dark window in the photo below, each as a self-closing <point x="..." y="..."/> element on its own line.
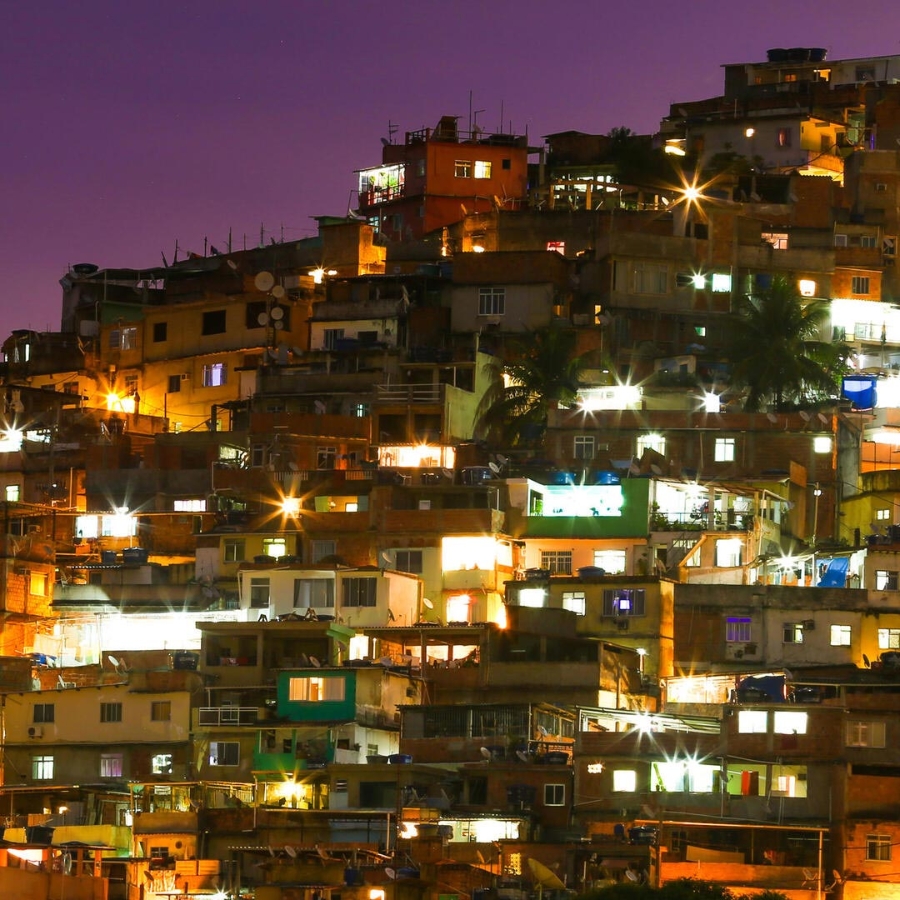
<point x="44" y="712"/>
<point x="174" y="384"/>
<point x="213" y="322"/>
<point x="506" y="164"/>
<point x="359" y="591"/>
<point x="317" y="593"/>
<point x="160" y="332"/>
<point x="409" y="561"/>
<point x="110" y="712"/>
<point x="259" y="593"/>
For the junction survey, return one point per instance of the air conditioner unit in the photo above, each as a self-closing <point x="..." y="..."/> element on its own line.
<point x="35" y="731"/>
<point x="623" y="624"/>
<point x="185" y="376"/>
<point x="809" y="624"/>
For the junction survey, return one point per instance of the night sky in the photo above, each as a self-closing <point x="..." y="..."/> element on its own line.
<point x="129" y="125"/>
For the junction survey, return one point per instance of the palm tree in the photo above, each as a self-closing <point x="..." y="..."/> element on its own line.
<point x="775" y="351"/>
<point x="541" y="371"/>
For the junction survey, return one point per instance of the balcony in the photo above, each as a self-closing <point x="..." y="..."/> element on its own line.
<point x="229" y="716"/>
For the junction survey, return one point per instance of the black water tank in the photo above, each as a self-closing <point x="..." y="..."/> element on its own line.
<point x="779" y="54"/>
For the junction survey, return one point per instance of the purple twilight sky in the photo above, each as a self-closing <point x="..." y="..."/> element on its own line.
<point x="129" y="125"/>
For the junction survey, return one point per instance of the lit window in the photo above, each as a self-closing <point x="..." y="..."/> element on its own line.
<point x="611" y="561"/>
<point x="737" y="630"/>
<point x="624" y="781"/>
<point x="885" y="580"/>
<point x="889" y="638"/>
<point x="840" y="635"/>
<point x="38" y="584"/>
<point x="110" y="712"/>
<point x="42" y="768"/>
<point x="792" y="633"/>
<point x="783" y="137"/>
<point x="807" y="288"/>
<point x="559" y="562"/>
<point x="224" y="753"/>
<point x="462" y="168"/>
<point x="822" y="444"/>
<point x="214" y="374"/>
<point x="491" y="301"/>
<point x="274" y="547"/>
<point x="753" y="721"/>
<point x="724" y="451"/>
<point x="778" y="239"/>
<point x="189" y="506"/>
<point x="161" y="764"/>
<point x="878" y="847"/>
<point x="315" y="689"/>
<point x="583" y="446"/>
<point x="482" y="168"/>
<point x="859" y="284"/>
<point x="785" y="722"/>
<point x="123" y="339"/>
<point x="161" y="711"/>
<point x="554" y="795"/>
<point x="861" y="733"/>
<point x="574" y="601"/>
<point x="535" y="598"/>
<point x="721" y="282"/>
<point x="12" y="493"/>
<point x="110" y="765"/>
<point x="883" y="515"/>
<point x="728" y="552"/>
<point x="654" y="442"/>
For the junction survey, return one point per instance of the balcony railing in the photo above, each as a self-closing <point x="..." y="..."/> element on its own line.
<point x="212" y="716"/>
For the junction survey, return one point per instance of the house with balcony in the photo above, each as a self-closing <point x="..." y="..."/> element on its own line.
<point x="438" y="174"/>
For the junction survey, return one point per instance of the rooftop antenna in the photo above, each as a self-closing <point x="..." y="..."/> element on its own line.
<point x="392" y="130"/>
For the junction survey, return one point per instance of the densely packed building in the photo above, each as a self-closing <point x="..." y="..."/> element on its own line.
<point x="285" y="612"/>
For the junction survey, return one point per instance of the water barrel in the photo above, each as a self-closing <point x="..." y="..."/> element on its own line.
<point x="778" y="54"/>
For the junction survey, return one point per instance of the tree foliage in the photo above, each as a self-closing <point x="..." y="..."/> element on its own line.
<point x="776" y="354"/>
<point x="542" y="370"/>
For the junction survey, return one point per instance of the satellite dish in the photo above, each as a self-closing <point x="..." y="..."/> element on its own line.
<point x="278" y="292"/>
<point x="386" y="558"/>
<point x="480" y="856"/>
<point x="291" y="852"/>
<point x="655" y="469"/>
<point x="314" y="662"/>
<point x="543" y="731"/>
<point x="427" y="603"/>
<point x="771" y="417"/>
<point x="264" y="281"/>
<point x="448" y="474"/>
<point x="501" y="459"/>
<point x="523" y="756"/>
<point x="494" y="468"/>
<point x="486" y="753"/>
<point x="278" y="325"/>
<point x="866" y="661"/>
<point x="113" y="660"/>
<point x="232" y="264"/>
<point x="277" y="313"/>
<point x="262" y="319"/>
<point x="390" y="873"/>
